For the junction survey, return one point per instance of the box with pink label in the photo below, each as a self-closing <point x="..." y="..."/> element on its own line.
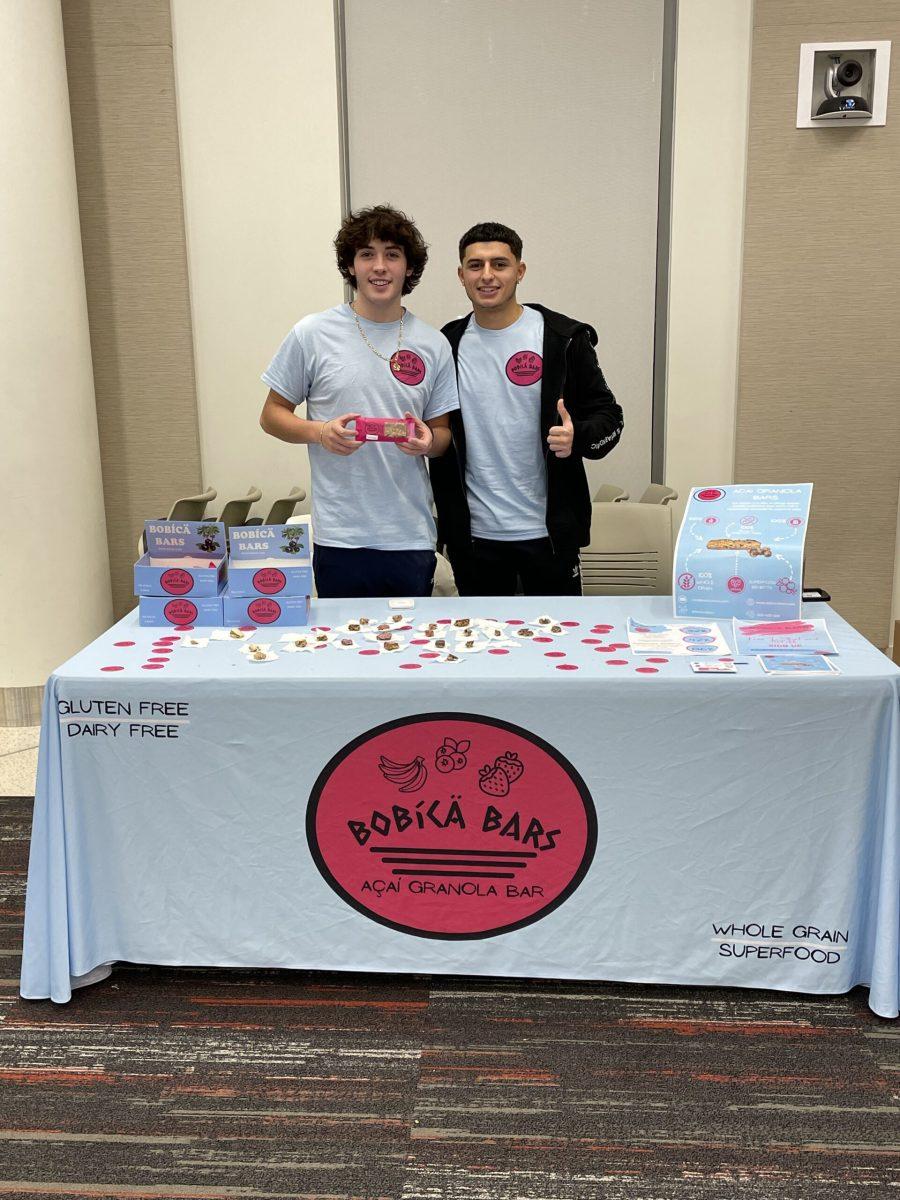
<point x="184" y="558"/>
<point x="180" y="610"/>
<point x="270" y="560"/>
<point x="265" y="610"/>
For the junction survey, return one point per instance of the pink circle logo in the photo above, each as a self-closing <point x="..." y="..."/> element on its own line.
<point x="735" y="584"/>
<point x="709" y="494"/>
<point x="269" y="580"/>
<point x="795" y="521"/>
<point x="407" y="367"/>
<point x="176" y="581"/>
<point x="686" y="581"/>
<point x="710" y="520"/>
<point x="524" y="367"/>
<point x="264" y="611"/>
<point x="180" y="612"/>
<point x="451" y="825"/>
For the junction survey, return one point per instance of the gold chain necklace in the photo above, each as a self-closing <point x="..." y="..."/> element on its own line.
<point x="362" y="334"/>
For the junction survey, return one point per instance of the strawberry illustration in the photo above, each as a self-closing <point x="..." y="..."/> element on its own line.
<point x="511" y="765"/>
<point x="493" y="781"/>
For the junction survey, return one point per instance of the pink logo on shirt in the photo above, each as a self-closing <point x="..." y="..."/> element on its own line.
<point x="524" y="367"/>
<point x="407" y="367"/>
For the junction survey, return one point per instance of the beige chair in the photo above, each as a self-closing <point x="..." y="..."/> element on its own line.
<point x="192" y="508"/>
<point x="282" y="510"/>
<point x="630" y="552"/>
<point x="236" y="511"/>
<point x="609" y="493"/>
<point x="188" y="508"/>
<point x="658" y="493"/>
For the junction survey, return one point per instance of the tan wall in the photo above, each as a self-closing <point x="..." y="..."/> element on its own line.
<point x="122" y="95"/>
<point x="708" y="177"/>
<point x="54" y="577"/>
<point x="257" y="110"/>
<point x="820" y="355"/>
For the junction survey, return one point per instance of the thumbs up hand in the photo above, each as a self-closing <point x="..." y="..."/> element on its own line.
<point x="561" y="436"/>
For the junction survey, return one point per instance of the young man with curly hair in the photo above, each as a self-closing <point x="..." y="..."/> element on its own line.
<point x="512" y="495"/>
<point x="373" y="531"/>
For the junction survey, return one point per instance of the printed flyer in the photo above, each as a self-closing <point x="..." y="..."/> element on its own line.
<point x="740" y="552"/>
<point x="761" y="637"/>
<point x="676" y="638"/>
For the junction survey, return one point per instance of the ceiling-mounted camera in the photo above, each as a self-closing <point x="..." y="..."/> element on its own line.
<point x="837" y="106"/>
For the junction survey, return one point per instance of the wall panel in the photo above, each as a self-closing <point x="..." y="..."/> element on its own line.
<point x="820" y="356"/>
<point x="122" y="97"/>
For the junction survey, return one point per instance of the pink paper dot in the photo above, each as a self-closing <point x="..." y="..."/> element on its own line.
<point x="591" y="642"/>
<point x="403" y="628"/>
<point x="121" y="644"/>
<point x="619" y="645"/>
<point x="566" y="667"/>
<point x="603" y="629"/>
<point x="157" y="660"/>
<point x="113" y="668"/>
<point x="542" y="639"/>
<point x="443" y="621"/>
<point x="321" y="629"/>
<point x="617" y="662"/>
<point x="657" y="660"/>
<point x="184" y="628"/>
<point x="515" y="621"/>
<point x="498" y="650"/>
<point x="368" y="651"/>
<point x="410" y="666"/>
<point x="168" y="639"/>
<point x="163" y="648"/>
<point x="603" y="650"/>
<point x="570" y="624"/>
<point x="151" y="666"/>
<point x="554" y="653"/>
<point x="247" y="628"/>
<point x="647" y="670"/>
<point x="429" y="654"/>
<point x="418" y="641"/>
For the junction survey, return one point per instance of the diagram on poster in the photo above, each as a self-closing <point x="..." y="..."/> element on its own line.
<point x="740" y="552"/>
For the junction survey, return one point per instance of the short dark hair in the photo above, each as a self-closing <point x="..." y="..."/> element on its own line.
<point x="491" y="231"/>
<point x="387" y="225"/>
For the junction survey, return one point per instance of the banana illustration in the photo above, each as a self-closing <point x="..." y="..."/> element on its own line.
<point x="406" y="777"/>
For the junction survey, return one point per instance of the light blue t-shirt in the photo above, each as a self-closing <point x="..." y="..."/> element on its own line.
<point x="378" y="497"/>
<point x="500" y="398"/>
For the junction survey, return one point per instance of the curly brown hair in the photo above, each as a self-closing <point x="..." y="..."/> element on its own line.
<point x="387" y="225"/>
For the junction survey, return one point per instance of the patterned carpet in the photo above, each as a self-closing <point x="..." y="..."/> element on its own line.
<point x="210" y="1084"/>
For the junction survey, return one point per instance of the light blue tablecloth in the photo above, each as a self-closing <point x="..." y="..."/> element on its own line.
<point x="746" y="826"/>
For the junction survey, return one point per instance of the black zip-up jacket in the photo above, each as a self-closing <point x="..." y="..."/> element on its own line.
<point x="570" y="370"/>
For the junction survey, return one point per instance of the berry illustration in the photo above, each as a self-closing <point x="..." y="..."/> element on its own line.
<point x="511" y="765"/>
<point x="493" y="781"/>
<point x="451" y="755"/>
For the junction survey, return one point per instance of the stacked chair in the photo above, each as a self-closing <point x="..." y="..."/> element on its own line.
<point x="630" y="551"/>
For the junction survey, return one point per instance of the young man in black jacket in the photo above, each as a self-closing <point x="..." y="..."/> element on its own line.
<point x="512" y="495"/>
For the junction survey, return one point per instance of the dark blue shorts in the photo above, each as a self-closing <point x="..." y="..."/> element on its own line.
<point x="341" y="572"/>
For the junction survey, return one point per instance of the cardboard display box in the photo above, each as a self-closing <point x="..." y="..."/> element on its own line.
<point x="184" y="558"/>
<point x="270" y="560"/>
<point x="180" y="610"/>
<point x="265" y="610"/>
